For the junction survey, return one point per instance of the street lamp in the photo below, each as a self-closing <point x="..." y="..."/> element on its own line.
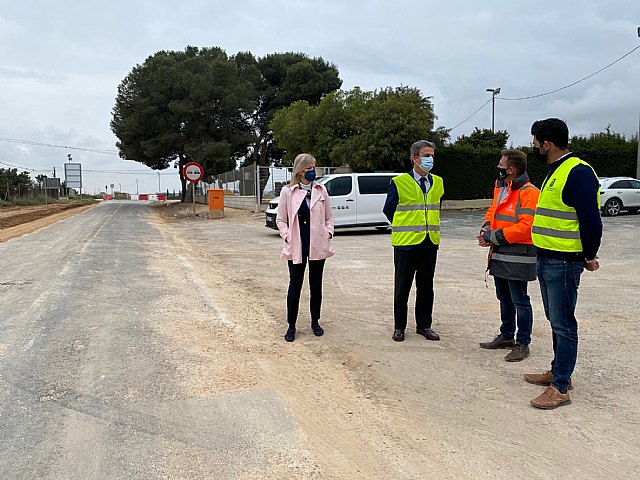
<point x="494" y="92"/>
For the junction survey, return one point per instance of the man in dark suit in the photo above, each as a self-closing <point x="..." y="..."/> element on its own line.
<point x="413" y="208"/>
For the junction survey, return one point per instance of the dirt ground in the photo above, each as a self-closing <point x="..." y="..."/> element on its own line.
<point x="20" y="220"/>
<point x="367" y="407"/>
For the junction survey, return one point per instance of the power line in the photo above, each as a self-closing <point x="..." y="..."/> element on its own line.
<point x="574" y="83"/>
<point x="118" y="172"/>
<point x="552" y="91"/>
<point x="52" y="145"/>
<point x="20" y="166"/>
<point x="481" y="107"/>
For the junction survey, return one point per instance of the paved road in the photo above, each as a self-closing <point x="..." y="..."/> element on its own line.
<point x="89" y="388"/>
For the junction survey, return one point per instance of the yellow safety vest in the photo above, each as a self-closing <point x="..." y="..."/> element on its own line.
<point x="417" y="213"/>
<point x="555" y="225"/>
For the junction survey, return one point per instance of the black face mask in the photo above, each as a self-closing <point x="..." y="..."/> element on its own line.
<point x="541" y="157"/>
<point x="501" y="173"/>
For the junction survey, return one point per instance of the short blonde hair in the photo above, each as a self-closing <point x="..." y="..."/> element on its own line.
<point x="300" y="164"/>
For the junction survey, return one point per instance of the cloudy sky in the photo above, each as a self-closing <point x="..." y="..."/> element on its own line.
<point x="61" y="63"/>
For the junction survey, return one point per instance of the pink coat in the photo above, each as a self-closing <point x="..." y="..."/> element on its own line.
<point x="321" y="224"/>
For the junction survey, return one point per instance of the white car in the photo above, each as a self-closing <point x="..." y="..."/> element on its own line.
<point x="619" y="193"/>
<point x="356" y="199"/>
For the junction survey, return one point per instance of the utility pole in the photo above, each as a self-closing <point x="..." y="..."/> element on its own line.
<point x="137" y="186"/>
<point x="159" y="189"/>
<point x="638" y="160"/>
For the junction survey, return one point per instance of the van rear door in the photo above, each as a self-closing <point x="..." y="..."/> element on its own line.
<point x="372" y="195"/>
<point x="343" y="200"/>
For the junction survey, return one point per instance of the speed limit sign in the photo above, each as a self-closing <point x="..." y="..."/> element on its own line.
<point x="193" y="172"/>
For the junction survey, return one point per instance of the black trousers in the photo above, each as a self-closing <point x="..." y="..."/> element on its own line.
<point x="296" y="279"/>
<point x="418" y="262"/>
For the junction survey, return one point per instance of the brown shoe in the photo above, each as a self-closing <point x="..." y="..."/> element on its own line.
<point x="551" y="398"/>
<point x="398" y="335"/>
<point x="543" y="379"/>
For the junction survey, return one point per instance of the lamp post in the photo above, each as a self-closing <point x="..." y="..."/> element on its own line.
<point x="638" y="160"/>
<point x="494" y="92"/>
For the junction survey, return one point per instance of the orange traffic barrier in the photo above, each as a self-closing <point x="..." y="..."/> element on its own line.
<point x="216" y="202"/>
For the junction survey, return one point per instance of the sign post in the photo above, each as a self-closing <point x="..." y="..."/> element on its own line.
<point x="193" y="172"/>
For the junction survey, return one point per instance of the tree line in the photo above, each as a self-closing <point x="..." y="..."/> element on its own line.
<point x="220" y="110"/>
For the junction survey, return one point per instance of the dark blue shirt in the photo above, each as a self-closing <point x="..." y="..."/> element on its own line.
<point x="580" y="192"/>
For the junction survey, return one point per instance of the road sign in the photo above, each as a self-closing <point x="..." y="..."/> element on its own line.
<point x="193" y="172"/>
<point x="73" y="175"/>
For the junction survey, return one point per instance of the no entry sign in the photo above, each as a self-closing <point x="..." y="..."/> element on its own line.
<point x="193" y="172"/>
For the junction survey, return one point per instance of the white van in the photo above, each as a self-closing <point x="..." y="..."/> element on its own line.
<point x="356" y="199"/>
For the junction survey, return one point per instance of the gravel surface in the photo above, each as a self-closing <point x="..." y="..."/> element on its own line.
<point x="147" y="343"/>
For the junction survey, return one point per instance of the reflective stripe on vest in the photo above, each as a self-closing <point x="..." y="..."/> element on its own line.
<point x="417" y="213"/>
<point x="555" y="225"/>
<point x="512" y="258"/>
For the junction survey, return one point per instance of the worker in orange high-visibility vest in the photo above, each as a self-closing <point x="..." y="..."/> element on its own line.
<point x="512" y="258"/>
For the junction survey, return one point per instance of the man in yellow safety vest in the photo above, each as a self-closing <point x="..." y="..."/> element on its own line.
<point x="567" y="230"/>
<point x="413" y="208"/>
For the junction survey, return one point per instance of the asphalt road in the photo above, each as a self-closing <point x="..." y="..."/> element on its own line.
<point x="89" y="389"/>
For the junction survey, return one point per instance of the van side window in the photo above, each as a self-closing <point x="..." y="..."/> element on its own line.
<point x="339" y="186"/>
<point x="374" y="185"/>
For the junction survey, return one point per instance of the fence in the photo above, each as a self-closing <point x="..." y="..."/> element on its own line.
<point x="20" y="192"/>
<point x="260" y="182"/>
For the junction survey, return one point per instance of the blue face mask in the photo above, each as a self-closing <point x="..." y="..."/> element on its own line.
<point x="426" y="163"/>
<point x="310" y="175"/>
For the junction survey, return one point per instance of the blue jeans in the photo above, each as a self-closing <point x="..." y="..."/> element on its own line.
<point x="559" y="282"/>
<point x="514" y="303"/>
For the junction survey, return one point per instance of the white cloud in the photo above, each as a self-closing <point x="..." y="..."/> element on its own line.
<point x="62" y="62"/>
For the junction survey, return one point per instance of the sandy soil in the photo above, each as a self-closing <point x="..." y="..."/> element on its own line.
<point x="16" y="221"/>
<point x="367" y="407"/>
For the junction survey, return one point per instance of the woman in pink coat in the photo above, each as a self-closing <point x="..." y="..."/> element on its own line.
<point x="305" y="221"/>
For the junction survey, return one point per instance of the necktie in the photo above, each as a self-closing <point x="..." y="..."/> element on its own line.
<point x="423" y="185"/>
